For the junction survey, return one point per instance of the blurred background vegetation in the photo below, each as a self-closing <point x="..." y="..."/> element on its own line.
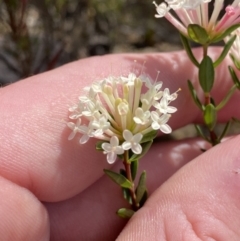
<point x="38" y="35"/>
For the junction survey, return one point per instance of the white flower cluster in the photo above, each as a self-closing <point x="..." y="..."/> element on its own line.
<point x="196" y="12"/>
<point x="117" y="111"/>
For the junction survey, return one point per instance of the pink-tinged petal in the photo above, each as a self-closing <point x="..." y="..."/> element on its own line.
<point x="106" y="147"/>
<point x="114" y="141"/>
<point x="71" y="125"/>
<point x="171" y="109"/>
<point x="72" y="135"/>
<point x="111" y="157"/>
<point x="154" y="116"/>
<point x="127" y="135"/>
<point x="137" y="138"/>
<point x="165" y="129"/>
<point x="164" y="118"/>
<point x="126" y="145"/>
<point x="83" y="129"/>
<point x="137" y="149"/>
<point x="84" y="139"/>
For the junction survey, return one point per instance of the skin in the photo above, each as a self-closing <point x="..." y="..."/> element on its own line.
<point x="55" y="189"/>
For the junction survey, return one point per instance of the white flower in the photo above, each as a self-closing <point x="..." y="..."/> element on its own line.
<point x="141" y="117"/>
<point x="132" y="141"/>
<point x="162" y="9"/>
<point x="100" y="125"/>
<point x="87" y="132"/>
<point x="74" y="127"/>
<point x="112" y="149"/>
<point x="159" y="122"/>
<point x="76" y="111"/>
<point x="118" y="111"/>
<point x="196" y="12"/>
<point x="163" y="107"/>
<point x="128" y="80"/>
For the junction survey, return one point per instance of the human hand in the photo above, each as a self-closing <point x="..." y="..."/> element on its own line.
<point x="52" y="188"/>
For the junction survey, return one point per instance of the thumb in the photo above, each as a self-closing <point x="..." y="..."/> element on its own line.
<point x="200" y="202"/>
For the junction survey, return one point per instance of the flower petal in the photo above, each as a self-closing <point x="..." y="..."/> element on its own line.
<point x="126" y="145"/>
<point x="127" y="135"/>
<point x="106" y="147"/>
<point x="111" y="157"/>
<point x="137" y="138"/>
<point x="84" y="139"/>
<point x="137" y="148"/>
<point x="165" y="128"/>
<point x="114" y="141"/>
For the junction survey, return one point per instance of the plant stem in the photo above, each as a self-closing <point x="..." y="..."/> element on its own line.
<point x="127" y="165"/>
<point x="212" y="134"/>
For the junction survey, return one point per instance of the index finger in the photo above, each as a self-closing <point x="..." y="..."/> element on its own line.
<point x="35" y="152"/>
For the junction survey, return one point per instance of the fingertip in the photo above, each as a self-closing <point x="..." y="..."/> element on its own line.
<point x="200" y="200"/>
<point x="23" y="217"/>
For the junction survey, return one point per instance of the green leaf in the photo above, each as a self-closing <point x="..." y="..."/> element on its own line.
<point x="224" y="53"/>
<point x="134" y="168"/>
<point x="225" y="34"/>
<point x="200" y="132"/>
<point x="206" y="74"/>
<point x="194" y="95"/>
<point x="188" y="50"/>
<point x="127" y="195"/>
<point x="149" y="136"/>
<point x="226" y="98"/>
<point x="225" y="130"/>
<point x="119" y="179"/>
<point x="236" y="120"/>
<point x="144" y="199"/>
<point x="141" y="188"/>
<point x="198" y="34"/>
<point x="99" y="145"/>
<point x="210" y="116"/>
<point x="234" y="77"/>
<point x="145" y="148"/>
<point x="125" y="213"/>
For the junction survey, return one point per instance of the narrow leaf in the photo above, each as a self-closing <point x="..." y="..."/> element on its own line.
<point x="149" y="136"/>
<point x="141" y="188"/>
<point x="225" y="130"/>
<point x="127" y="195"/>
<point x="144" y="199"/>
<point x="99" y="145"/>
<point x="210" y="116"/>
<point x="145" y="148"/>
<point x="188" y="50"/>
<point x="224" y="53"/>
<point x="134" y="168"/>
<point x="226" y="98"/>
<point x="198" y="34"/>
<point x="236" y="120"/>
<point x="200" y="132"/>
<point x="194" y="95"/>
<point x="225" y="34"/>
<point x="206" y="74"/>
<point x="234" y="77"/>
<point x="125" y="213"/>
<point x="119" y="179"/>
